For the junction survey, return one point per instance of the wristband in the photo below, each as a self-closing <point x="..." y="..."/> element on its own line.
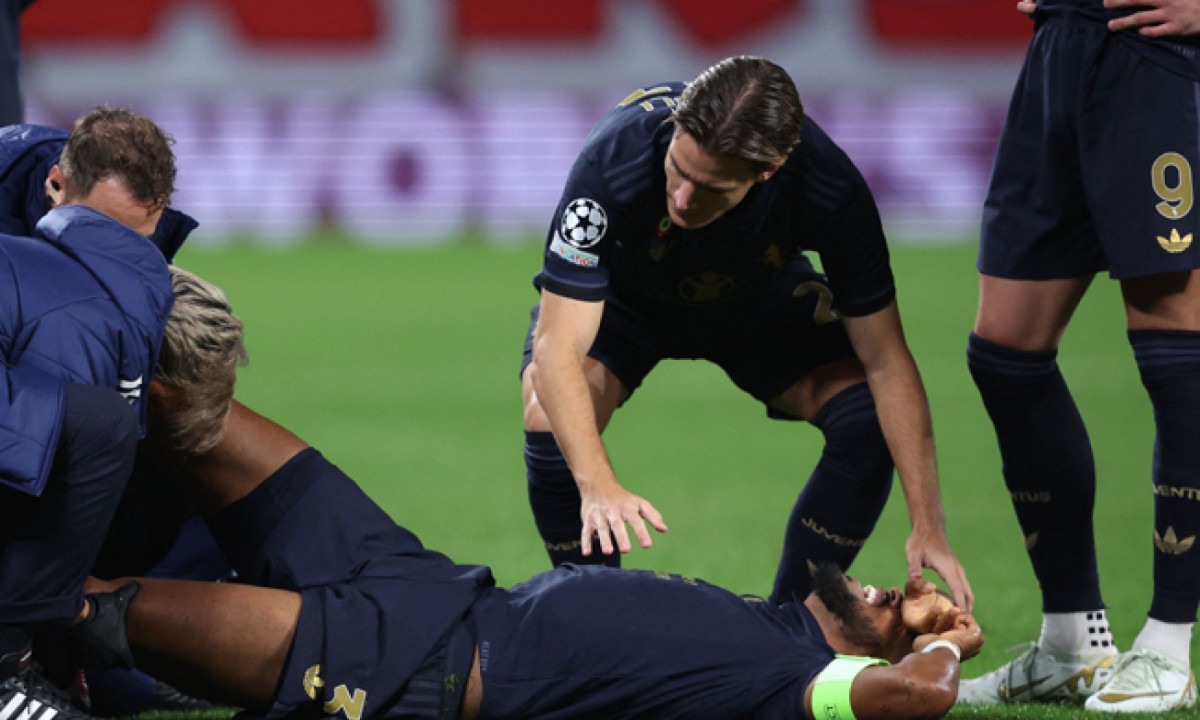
<point x="944" y="644"/>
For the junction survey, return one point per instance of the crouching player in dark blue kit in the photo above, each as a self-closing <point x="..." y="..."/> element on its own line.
<point x="1096" y="170"/>
<point x="349" y="616"/>
<point x="83" y="305"/>
<point x="680" y="234"/>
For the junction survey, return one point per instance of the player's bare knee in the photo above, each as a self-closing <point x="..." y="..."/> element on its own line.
<point x="809" y="395"/>
<point x="1166" y="301"/>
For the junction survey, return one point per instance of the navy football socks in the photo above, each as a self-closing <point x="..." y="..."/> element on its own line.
<point x="1048" y="468"/>
<point x="554" y="499"/>
<point x="844" y="496"/>
<point x="1169" y="363"/>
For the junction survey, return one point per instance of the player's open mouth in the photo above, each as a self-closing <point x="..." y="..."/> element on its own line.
<point x="879" y="598"/>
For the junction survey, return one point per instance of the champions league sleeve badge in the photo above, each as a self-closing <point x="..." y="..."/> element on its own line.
<point x="583" y="223"/>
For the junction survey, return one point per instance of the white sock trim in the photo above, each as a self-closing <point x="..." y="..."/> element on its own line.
<point x="1084" y="633"/>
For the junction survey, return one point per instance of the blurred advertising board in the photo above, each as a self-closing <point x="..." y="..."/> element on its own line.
<point x="408" y="121"/>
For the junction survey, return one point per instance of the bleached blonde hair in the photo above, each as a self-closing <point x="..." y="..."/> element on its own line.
<point x="202" y="348"/>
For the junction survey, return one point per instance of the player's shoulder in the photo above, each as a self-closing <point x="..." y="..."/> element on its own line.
<point x="28" y="134"/>
<point x="38" y="280"/>
<point x="620" y="164"/>
<point x="818" y="148"/>
<point x="18" y="140"/>
<point x="32" y="257"/>
<point x="635" y="126"/>
<point x="820" y="166"/>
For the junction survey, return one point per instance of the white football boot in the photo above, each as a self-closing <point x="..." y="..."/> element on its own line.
<point x="1146" y="681"/>
<point x="1037" y="675"/>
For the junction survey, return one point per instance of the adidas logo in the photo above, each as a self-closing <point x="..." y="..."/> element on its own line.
<point x="1169" y="544"/>
<point x="22" y="707"/>
<point x="1175" y="243"/>
<point x="131" y="390"/>
<point x="28" y="696"/>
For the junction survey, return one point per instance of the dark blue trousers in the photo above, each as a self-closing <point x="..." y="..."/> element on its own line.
<point x="48" y="543"/>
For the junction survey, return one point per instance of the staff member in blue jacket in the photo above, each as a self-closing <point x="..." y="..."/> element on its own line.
<point x="83" y="305"/>
<point x="28" y="153"/>
<point x="175" y="543"/>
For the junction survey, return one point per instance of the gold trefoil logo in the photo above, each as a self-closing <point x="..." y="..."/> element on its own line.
<point x="1175" y="243"/>
<point x="1169" y="544"/>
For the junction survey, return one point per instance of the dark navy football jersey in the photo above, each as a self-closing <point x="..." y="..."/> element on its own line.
<point x="611" y="238"/>
<point x="653" y="645"/>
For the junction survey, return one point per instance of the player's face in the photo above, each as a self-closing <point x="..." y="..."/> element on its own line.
<point x="703" y="187"/>
<point x="870" y="618"/>
<point x="881" y="612"/>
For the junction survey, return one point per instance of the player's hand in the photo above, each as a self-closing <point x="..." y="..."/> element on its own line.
<point x="966" y="634"/>
<point x="924" y="609"/>
<point x="1028" y="7"/>
<point x="605" y="515"/>
<point x="1159" y="18"/>
<point x="963" y="632"/>
<point x="932" y="550"/>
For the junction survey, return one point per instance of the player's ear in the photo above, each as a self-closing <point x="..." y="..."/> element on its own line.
<point x="56" y="183"/>
<point x="766" y="175"/>
<point x="165" y="399"/>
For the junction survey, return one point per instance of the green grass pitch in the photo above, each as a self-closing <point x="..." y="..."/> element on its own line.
<point x="401" y="366"/>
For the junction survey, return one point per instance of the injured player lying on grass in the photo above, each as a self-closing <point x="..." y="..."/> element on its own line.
<point x="343" y="612"/>
<point x="348" y="614"/>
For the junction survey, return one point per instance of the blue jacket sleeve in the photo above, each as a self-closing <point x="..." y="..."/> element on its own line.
<point x="33" y="402"/>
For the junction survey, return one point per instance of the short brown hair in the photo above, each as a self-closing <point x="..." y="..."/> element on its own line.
<point x="201" y="351"/>
<point x="114" y="142"/>
<point x="742" y="107"/>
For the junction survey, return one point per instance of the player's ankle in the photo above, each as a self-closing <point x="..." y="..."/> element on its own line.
<point x="1073" y="635"/>
<point x="1172" y="640"/>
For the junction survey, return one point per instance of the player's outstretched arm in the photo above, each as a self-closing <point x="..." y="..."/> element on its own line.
<point x="565" y="332"/>
<point x="904" y="417"/>
<point x="1157" y="18"/>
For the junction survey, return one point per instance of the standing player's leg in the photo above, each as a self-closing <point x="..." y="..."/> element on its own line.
<point x="1145" y="214"/>
<point x="793" y="355"/>
<point x="1050" y="475"/>
<point x="844" y="496"/>
<point x="553" y="495"/>
<point x="1164" y="330"/>
<point x="1039" y="250"/>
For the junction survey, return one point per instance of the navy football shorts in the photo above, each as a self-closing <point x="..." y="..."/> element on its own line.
<point x="1096" y="166"/>
<point x="383" y="622"/>
<point x="764" y="347"/>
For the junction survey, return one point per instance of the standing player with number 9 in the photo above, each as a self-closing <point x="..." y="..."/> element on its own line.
<point x="681" y="233"/>
<point x="1095" y="171"/>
